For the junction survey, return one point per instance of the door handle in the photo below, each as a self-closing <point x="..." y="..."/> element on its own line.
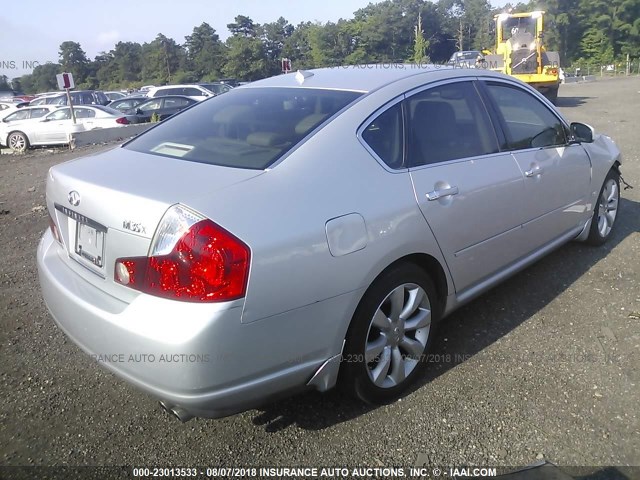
<point x="537" y="170"/>
<point x="443" y="192"/>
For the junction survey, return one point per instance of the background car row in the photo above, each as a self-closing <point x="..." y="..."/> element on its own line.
<point x="155" y="104"/>
<point x="51" y="124"/>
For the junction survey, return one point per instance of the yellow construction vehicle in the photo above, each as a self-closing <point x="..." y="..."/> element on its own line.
<point x="520" y="52"/>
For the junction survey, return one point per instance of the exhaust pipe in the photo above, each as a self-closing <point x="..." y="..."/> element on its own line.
<point x="178" y="412"/>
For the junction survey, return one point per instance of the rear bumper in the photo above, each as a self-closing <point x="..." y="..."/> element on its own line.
<point x="200" y="358"/>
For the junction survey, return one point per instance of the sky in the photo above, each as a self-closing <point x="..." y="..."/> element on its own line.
<point x="33" y="35"/>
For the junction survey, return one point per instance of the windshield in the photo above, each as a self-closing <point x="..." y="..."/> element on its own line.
<point x="245" y="128"/>
<point x="516" y="26"/>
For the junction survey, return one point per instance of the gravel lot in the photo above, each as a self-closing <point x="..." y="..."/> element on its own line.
<point x="547" y="365"/>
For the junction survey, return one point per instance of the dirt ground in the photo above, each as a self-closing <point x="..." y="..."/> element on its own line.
<point x="546" y="365"/>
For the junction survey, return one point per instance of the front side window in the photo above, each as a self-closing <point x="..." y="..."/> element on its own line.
<point x="87" y="98"/>
<point x="152" y="105"/>
<point x="84" y="113"/>
<point x="39" y="112"/>
<point x="527" y="121"/>
<point x="385" y="136"/>
<point x="19" y="115"/>
<point x="175" y="102"/>
<point x="245" y="128"/>
<point x="448" y="122"/>
<point x="59" y="100"/>
<point x="62" y="114"/>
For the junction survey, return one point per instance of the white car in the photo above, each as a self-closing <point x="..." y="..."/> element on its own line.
<point x="54" y="128"/>
<point x="42" y="99"/>
<point x="193" y="91"/>
<point x="115" y="95"/>
<point x="11" y="116"/>
<point x="7" y="108"/>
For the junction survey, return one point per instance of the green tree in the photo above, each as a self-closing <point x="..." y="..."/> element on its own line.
<point x="4" y="83"/>
<point x="274" y="38"/>
<point x="74" y="60"/>
<point x="246" y="59"/>
<point x="16" y="84"/>
<point x="162" y="59"/>
<point x="205" y="53"/>
<point x="243" y="26"/>
<point x="420" y="45"/>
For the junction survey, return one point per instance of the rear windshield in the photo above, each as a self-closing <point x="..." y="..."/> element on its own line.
<point x="244" y="128"/>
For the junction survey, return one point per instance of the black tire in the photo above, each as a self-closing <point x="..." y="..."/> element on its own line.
<point x="606" y="210"/>
<point x="18" y="142"/>
<point x="405" y="342"/>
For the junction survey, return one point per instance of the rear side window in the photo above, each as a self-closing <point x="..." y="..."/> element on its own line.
<point x="163" y="92"/>
<point x="84" y="113"/>
<point x="175" y="102"/>
<point x="39" y="112"/>
<point x="448" y="122"/>
<point x="245" y="128"/>
<point x="527" y="121"/>
<point x="192" y="92"/>
<point x="385" y="136"/>
<point x="152" y="105"/>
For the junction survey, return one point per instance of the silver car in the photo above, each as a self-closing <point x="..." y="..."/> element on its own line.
<point x="54" y="127"/>
<point x="312" y="229"/>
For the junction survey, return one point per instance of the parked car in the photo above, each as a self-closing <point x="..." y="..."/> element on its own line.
<point x="194" y="91"/>
<point x="7" y="107"/>
<point x="313" y="228"/>
<point x="146" y="88"/>
<point x="54" y="128"/>
<point x="114" y="95"/>
<point x="127" y="103"/>
<point x="27" y="113"/>
<point x="163" y="107"/>
<point x="80" y="97"/>
<point x="465" y="59"/>
<point x="41" y="99"/>
<point x="217" y="87"/>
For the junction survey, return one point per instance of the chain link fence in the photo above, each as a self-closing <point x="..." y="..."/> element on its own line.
<point x="580" y="69"/>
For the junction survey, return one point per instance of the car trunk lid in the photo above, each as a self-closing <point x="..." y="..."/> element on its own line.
<point x="108" y="206"/>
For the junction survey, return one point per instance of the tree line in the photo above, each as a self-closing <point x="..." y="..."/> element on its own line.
<point x="593" y="31"/>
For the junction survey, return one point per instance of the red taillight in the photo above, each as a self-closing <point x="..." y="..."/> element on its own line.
<point x="122" y="121"/>
<point x="54" y="229"/>
<point x="553" y="71"/>
<point x="207" y="264"/>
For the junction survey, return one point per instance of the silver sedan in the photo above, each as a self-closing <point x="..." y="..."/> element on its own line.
<point x="55" y="127"/>
<point x="312" y="229"/>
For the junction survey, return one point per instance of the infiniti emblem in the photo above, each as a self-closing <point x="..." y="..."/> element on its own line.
<point x="74" y="198"/>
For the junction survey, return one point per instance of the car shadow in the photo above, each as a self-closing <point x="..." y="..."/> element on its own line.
<point x="467" y="331"/>
<point x="571" y="101"/>
<point x="606" y="473"/>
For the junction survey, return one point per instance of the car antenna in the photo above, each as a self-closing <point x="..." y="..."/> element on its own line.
<point x="302" y="75"/>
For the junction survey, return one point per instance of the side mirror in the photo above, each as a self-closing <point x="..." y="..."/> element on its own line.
<point x="45" y="119"/>
<point x="581" y="133"/>
<point x="138" y="111"/>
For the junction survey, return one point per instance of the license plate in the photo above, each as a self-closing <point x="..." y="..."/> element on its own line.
<point x="90" y="243"/>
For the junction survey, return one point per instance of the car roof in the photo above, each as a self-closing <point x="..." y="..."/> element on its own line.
<point x="182" y="85"/>
<point x="360" y="78"/>
<point x="167" y="96"/>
